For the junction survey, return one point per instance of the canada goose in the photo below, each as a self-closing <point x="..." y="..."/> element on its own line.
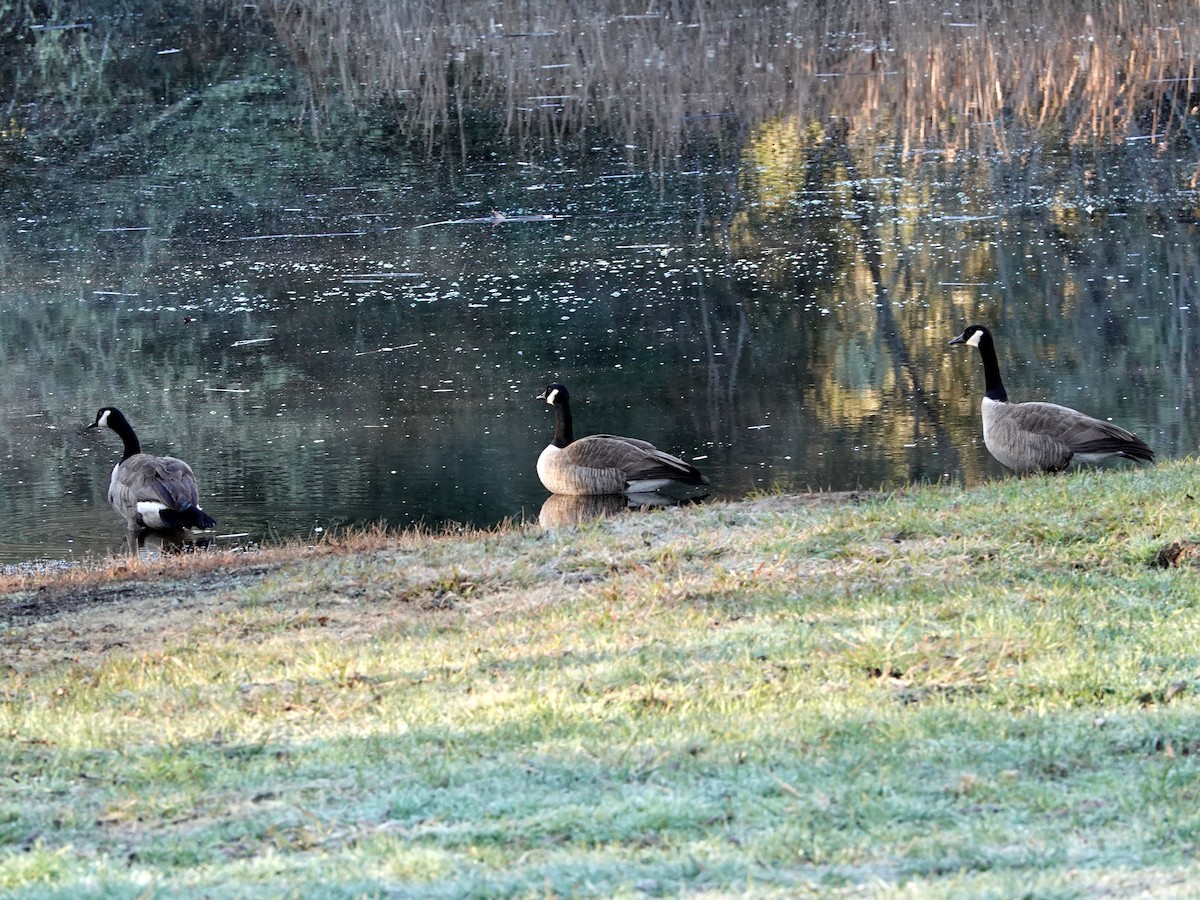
<point x="1042" y="437"/>
<point x="604" y="463"/>
<point x="157" y="492"/>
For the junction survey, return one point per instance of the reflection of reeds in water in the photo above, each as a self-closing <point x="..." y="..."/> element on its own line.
<point x="982" y="76"/>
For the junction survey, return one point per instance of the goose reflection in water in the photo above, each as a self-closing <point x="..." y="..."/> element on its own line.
<point x="563" y="510"/>
<point x="151" y="545"/>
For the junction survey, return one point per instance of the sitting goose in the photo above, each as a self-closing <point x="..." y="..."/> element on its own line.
<point x="1042" y="437"/>
<point x="605" y="463"/>
<point x="157" y="492"/>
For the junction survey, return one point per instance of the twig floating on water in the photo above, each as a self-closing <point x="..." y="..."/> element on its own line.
<point x="283" y="237"/>
<point x="251" y="341"/>
<point x="385" y="349"/>
<point x="386" y="275"/>
<point x="496" y="218"/>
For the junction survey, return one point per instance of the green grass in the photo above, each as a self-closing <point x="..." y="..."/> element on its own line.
<point x="985" y="692"/>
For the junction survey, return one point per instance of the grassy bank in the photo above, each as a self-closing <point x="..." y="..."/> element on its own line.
<point x="988" y="691"/>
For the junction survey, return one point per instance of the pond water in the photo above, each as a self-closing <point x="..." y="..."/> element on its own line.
<point x="358" y="340"/>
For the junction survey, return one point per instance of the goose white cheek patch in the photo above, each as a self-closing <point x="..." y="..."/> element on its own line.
<point x="103" y="420"/>
<point x="973" y="340"/>
<point x="552" y="397"/>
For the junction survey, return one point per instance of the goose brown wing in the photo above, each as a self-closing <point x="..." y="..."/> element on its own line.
<point x="1055" y="429"/>
<point x="159" y="479"/>
<point x="636" y="442"/>
<point x="636" y="459"/>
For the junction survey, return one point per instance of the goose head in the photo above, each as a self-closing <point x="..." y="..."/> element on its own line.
<point x="108" y="416"/>
<point x="972" y="336"/>
<point x="556" y="395"/>
<point x="111" y="417"/>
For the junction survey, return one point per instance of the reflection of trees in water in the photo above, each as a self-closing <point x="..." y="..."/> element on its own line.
<point x="694" y="312"/>
<point x="727" y="339"/>
<point x="1063" y="261"/>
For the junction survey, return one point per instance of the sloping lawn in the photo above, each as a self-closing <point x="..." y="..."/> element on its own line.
<point x="943" y="693"/>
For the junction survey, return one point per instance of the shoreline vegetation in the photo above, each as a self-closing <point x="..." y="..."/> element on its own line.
<point x="940" y="692"/>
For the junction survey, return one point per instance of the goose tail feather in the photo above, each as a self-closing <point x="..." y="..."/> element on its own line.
<point x="187" y="517"/>
<point x="1130" y="449"/>
<point x="670" y="468"/>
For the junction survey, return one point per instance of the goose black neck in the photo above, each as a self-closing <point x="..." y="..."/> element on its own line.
<point x="124" y="430"/>
<point x="564" y="432"/>
<point x="993" y="386"/>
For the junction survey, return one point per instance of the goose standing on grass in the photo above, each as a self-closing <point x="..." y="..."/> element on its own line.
<point x="605" y="463"/>
<point x="156" y="492"/>
<point x="1042" y="437"/>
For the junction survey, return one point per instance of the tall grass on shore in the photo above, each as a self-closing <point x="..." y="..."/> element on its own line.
<point x="981" y="74"/>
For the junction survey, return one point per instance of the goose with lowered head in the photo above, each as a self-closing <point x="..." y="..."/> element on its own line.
<point x="1042" y="437"/>
<point x="605" y="463"/>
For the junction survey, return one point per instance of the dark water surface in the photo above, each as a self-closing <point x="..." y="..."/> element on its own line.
<point x="326" y="344"/>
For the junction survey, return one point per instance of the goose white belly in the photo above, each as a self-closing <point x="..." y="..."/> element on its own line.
<point x="989" y="410"/>
<point x="544" y="463"/>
